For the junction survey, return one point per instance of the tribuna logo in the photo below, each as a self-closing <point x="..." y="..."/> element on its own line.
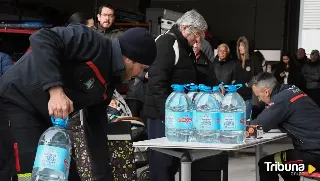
<point x="296" y="168"/>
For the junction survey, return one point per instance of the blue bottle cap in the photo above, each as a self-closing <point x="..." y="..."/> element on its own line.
<point x="205" y="88"/>
<point x="232" y="88"/>
<point x="60" y="122"/>
<point x="191" y="87"/>
<point x="216" y="89"/>
<point x="177" y="87"/>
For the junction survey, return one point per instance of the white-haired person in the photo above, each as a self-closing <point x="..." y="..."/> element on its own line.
<point x="174" y="64"/>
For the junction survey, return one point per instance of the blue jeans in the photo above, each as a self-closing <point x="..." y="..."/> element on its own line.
<point x="248" y="108"/>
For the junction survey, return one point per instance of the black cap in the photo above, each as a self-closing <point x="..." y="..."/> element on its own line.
<point x="138" y="45"/>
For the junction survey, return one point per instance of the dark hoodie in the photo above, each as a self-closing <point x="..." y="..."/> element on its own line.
<point x="244" y="75"/>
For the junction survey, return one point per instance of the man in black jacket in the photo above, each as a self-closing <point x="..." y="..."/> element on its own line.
<point x="174" y="64"/>
<point x="67" y="69"/>
<point x="293" y="112"/>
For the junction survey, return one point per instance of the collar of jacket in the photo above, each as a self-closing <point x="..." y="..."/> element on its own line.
<point x="217" y="60"/>
<point x="202" y="59"/>
<point x="278" y="88"/>
<point x="105" y="31"/>
<point x="117" y="60"/>
<point x="182" y="40"/>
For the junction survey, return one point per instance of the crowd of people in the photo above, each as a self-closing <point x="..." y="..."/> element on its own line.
<point x="79" y="67"/>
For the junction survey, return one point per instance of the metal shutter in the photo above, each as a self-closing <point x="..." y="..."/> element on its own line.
<point x="311" y="14"/>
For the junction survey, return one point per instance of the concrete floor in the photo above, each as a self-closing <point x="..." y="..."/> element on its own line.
<point x="242" y="166"/>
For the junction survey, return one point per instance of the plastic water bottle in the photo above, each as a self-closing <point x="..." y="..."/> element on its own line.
<point x="192" y="91"/>
<point x="207" y="117"/>
<point x="232" y="117"/>
<point x="178" y="115"/>
<point x="216" y="92"/>
<point x="53" y="156"/>
<point x="200" y="87"/>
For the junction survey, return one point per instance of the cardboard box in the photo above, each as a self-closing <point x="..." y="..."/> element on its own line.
<point x="254" y="131"/>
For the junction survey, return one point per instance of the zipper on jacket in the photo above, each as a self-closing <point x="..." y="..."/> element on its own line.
<point x="16" y="154"/>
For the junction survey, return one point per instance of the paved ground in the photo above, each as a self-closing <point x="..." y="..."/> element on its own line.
<point x="242" y="166"/>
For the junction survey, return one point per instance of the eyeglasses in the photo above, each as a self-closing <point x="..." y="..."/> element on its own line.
<point x="197" y="33"/>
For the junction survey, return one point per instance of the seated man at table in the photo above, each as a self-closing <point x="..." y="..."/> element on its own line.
<point x="293" y="112"/>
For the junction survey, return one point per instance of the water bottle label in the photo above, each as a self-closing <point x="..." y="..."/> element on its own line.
<point x="52" y="158"/>
<point x="178" y="120"/>
<point x="232" y="121"/>
<point x="207" y="121"/>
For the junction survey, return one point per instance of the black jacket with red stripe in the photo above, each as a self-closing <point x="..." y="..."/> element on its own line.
<point x="74" y="57"/>
<point x="293" y="112"/>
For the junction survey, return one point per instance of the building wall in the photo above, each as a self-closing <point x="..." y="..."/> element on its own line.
<point x="230" y="19"/>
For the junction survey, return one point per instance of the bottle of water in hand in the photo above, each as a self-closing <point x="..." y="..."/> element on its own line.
<point x="53" y="156"/>
<point x="232" y="117"/>
<point x="178" y="115"/>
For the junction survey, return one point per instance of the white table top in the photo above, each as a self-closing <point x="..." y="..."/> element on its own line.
<point x="164" y="143"/>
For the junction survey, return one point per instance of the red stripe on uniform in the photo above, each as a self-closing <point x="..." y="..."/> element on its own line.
<point x="16" y="154"/>
<point x="297" y="97"/>
<point x="294" y="162"/>
<point x="101" y="79"/>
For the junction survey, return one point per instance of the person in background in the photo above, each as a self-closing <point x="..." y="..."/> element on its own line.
<point x="136" y="94"/>
<point x="207" y="50"/>
<point x="205" y="69"/>
<point x="5" y="63"/>
<point x="106" y="18"/>
<point x="59" y="76"/>
<point x="82" y="18"/>
<point x="293" y="112"/>
<point x="301" y="57"/>
<point x="311" y="73"/>
<point x="245" y="69"/>
<point x="224" y="67"/>
<point x="257" y="55"/>
<point x="287" y="72"/>
<point x="168" y="69"/>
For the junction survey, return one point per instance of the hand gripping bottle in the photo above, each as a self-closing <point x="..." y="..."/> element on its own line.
<point x="207" y="117"/>
<point x="178" y="115"/>
<point x="232" y="117"/>
<point x="53" y="156"/>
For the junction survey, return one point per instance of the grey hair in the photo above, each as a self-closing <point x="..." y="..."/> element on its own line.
<point x="264" y="80"/>
<point x="194" y="19"/>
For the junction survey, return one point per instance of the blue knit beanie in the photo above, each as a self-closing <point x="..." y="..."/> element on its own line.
<point x="138" y="45"/>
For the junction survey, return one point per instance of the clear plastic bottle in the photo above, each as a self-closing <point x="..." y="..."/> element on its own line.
<point x="53" y="156"/>
<point x="192" y="91"/>
<point x="200" y="87"/>
<point x="232" y="117"/>
<point x="216" y="92"/>
<point x="207" y="117"/>
<point x="178" y="115"/>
